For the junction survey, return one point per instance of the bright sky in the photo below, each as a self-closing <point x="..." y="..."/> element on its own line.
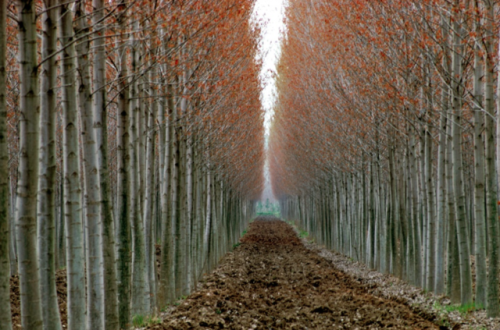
<point x="270" y="13"/>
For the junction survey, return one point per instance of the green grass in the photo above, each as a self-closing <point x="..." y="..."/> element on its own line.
<point x="140" y="321"/>
<point x="235" y="245"/>
<point x="303" y="234"/>
<point x="276" y="214"/>
<point x="462" y="309"/>
<point x="444" y="310"/>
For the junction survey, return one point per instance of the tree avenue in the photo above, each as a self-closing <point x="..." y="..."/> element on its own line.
<point x="383" y="140"/>
<point x="131" y="133"/>
<point x="132" y="147"/>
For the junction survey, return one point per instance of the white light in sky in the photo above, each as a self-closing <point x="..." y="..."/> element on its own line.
<point x="269" y="14"/>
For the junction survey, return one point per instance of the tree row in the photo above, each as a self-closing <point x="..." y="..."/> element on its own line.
<point x="384" y="143"/>
<point x="131" y="151"/>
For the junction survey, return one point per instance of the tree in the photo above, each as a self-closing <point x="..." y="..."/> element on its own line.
<point x="27" y="187"/>
<point x="101" y="134"/>
<point x="75" y="255"/>
<point x="48" y="169"/>
<point x="93" y="214"/>
<point x="5" y="319"/>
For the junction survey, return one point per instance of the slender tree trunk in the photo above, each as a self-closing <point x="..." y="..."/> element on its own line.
<point x="123" y="145"/>
<point x="453" y="276"/>
<point x="5" y="312"/>
<point x="189" y="213"/>
<point x="149" y="202"/>
<point x="458" y="185"/>
<point x="26" y="217"/>
<point x="479" y="176"/>
<point x="208" y="219"/>
<point x="174" y="196"/>
<point x="93" y="218"/>
<point x="167" y="274"/>
<point x="180" y="224"/>
<point x="493" y="306"/>
<point x="441" y="179"/>
<point x="431" y="214"/>
<point x="47" y="170"/>
<point x="72" y="189"/>
<point x="415" y="203"/>
<point x="100" y="126"/>
<point x="140" y="287"/>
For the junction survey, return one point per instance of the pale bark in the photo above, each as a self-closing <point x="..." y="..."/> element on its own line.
<point x="415" y="211"/>
<point x="156" y="112"/>
<point x="27" y="187"/>
<point x="178" y="175"/>
<point x="149" y="204"/>
<point x="431" y="214"/>
<point x="167" y="271"/>
<point x="5" y="312"/>
<point x="371" y="223"/>
<point x="47" y="169"/>
<point x="72" y="189"/>
<point x="140" y="287"/>
<point x="453" y="271"/>
<point x="100" y="126"/>
<point x="441" y="176"/>
<point x="479" y="176"/>
<point x="93" y="216"/>
<point x="208" y="219"/>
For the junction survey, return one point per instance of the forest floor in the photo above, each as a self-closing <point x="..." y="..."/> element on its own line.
<point x="273" y="281"/>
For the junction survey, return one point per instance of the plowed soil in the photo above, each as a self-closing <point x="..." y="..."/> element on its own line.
<point x="271" y="281"/>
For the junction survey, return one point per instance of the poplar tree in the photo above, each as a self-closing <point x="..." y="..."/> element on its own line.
<point x="5" y="313"/>
<point x="27" y="186"/>
<point x="48" y="169"/>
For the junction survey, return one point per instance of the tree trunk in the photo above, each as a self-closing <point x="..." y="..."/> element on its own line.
<point x="93" y="218"/>
<point x="167" y="281"/>
<point x="5" y="312"/>
<point x="208" y="219"/>
<point x="479" y="176"/>
<point x="149" y="203"/>
<point x="123" y="156"/>
<point x="441" y="179"/>
<point x="72" y="189"/>
<point x="26" y="209"/>
<point x="492" y="306"/>
<point x="100" y="125"/>
<point x="47" y="170"/>
<point x="140" y="287"/>
<point x="453" y="276"/>
<point x="457" y="94"/>
<point x="431" y="214"/>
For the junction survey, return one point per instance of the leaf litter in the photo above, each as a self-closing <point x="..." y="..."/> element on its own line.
<point x="273" y="281"/>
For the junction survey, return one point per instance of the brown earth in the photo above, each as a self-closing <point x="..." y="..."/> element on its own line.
<point x="271" y="281"/>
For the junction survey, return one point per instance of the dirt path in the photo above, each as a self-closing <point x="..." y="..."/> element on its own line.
<point x="271" y="281"/>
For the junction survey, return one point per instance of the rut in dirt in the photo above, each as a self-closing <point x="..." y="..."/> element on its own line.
<point x="271" y="281"/>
